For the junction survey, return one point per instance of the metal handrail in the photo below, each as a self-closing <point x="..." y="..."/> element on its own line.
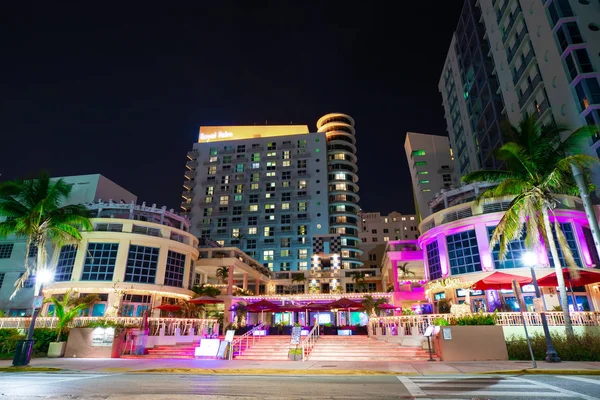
<point x="246" y="336"/>
<point x="309" y="342"/>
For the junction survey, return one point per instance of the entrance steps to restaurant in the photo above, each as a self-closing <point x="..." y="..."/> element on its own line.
<point x="269" y="348"/>
<point x="362" y="348"/>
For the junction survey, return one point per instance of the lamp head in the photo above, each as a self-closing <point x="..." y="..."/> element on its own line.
<point x="529" y="258"/>
<point x="44" y="276"/>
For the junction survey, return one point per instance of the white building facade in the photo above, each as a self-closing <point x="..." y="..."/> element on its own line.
<point x="85" y="189"/>
<point x="431" y="166"/>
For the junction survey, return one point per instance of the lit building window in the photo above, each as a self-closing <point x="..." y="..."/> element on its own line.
<point x="268" y="255"/>
<point x="418" y="153"/>
<point x="252" y="231"/>
<point x="224" y="200"/>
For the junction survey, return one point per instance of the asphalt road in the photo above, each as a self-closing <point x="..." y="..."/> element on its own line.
<point x="170" y="386"/>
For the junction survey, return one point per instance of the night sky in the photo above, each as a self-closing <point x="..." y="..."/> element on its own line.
<point x="122" y="91"/>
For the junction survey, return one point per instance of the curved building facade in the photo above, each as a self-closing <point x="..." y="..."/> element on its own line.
<point x="342" y="184"/>
<point x="456" y="244"/>
<point x="135" y="257"/>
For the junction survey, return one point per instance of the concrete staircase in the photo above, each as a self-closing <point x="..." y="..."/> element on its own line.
<point x="271" y="348"/>
<point x="362" y="348"/>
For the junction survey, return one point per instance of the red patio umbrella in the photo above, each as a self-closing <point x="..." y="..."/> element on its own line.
<point x="263" y="305"/>
<point x="205" y="300"/>
<point x="169" y="307"/>
<point x="344" y="303"/>
<point x="386" y="306"/>
<point x="499" y="280"/>
<point x="579" y="277"/>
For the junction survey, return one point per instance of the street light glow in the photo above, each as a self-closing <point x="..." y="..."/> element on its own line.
<point x="44" y="276"/>
<point x="529" y="258"/>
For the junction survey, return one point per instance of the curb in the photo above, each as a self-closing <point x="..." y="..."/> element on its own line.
<point x="295" y="372"/>
<point x="30" y="369"/>
<point x="532" y="371"/>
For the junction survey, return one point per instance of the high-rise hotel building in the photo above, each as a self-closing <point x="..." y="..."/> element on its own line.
<point x="283" y="194"/>
<point x="510" y="59"/>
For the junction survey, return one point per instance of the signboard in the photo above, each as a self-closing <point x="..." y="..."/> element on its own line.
<point x="222" y="353"/>
<point x="296" y="335"/>
<point x="446" y="333"/>
<point x="429" y="331"/>
<point x="229" y="336"/>
<point x="208" y="348"/>
<point x="103" y="337"/>
<point x="224" y="133"/>
<point x="38" y="301"/>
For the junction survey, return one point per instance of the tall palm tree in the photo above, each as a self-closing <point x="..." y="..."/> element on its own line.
<point x="222" y="274"/>
<point x="34" y="210"/>
<point x="538" y="167"/>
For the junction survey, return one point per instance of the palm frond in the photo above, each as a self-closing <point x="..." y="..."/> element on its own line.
<point x="564" y="245"/>
<point x="509" y="228"/>
<point x="487" y="176"/>
<point x="577" y="140"/>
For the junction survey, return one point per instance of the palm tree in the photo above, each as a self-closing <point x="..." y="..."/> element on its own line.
<point x="34" y="210"/>
<point x="359" y="281"/>
<point x="69" y="307"/>
<point x="299" y="278"/>
<point x="371" y="305"/>
<point x="404" y="272"/>
<point x="222" y="274"/>
<point x="206" y="290"/>
<point x="538" y="167"/>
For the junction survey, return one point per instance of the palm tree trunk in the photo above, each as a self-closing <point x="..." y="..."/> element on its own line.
<point x="562" y="291"/>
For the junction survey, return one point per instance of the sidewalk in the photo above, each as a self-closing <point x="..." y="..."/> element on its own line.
<point x="248" y="367"/>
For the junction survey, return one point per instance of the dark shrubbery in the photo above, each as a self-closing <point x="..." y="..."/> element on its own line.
<point x="585" y="347"/>
<point x="42" y="338"/>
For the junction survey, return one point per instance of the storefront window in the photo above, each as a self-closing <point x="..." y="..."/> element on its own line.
<point x="514" y="254"/>
<point x="463" y="253"/>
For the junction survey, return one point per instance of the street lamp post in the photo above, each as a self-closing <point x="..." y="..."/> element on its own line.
<point x="530" y="259"/>
<point x="24" y="347"/>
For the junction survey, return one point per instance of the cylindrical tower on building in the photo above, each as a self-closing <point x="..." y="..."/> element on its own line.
<point x="342" y="184"/>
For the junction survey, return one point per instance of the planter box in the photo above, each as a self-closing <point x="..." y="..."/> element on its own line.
<point x="287" y="330"/>
<point x="471" y="343"/>
<point x="295" y="357"/>
<point x="361" y="330"/>
<point x="89" y="343"/>
<point x="329" y="330"/>
<point x="56" y="349"/>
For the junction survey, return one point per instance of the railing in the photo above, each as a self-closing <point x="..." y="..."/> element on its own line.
<point x="406" y="324"/>
<point x="245" y="338"/>
<point x="309" y="342"/>
<point x="168" y="326"/>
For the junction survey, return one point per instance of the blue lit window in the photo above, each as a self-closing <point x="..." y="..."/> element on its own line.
<point x="463" y="253"/>
<point x="567" y="229"/>
<point x="433" y="260"/>
<point x="515" y="251"/>
<point x="66" y="260"/>
<point x="174" y="270"/>
<point x="141" y="264"/>
<point x="99" y="264"/>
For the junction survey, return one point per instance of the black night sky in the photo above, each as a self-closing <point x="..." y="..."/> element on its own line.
<point x="122" y="90"/>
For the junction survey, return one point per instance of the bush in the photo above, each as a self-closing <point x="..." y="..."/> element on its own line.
<point x="440" y="322"/>
<point x="476" y="319"/>
<point x="41" y="336"/>
<point x="585" y="347"/>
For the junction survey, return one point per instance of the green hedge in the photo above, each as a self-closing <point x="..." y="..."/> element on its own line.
<point x="41" y="336"/>
<point x="585" y="347"/>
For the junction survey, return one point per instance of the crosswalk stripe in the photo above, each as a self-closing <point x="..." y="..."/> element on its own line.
<point x="412" y="387"/>
<point x="580" y="379"/>
<point x="558" y="389"/>
<point x="476" y="385"/>
<point x="501" y="393"/>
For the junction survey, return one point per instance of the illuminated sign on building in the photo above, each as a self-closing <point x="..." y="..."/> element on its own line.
<point x="223" y="133"/>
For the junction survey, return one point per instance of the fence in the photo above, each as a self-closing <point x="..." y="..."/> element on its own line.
<point x="406" y="324"/>
<point x="171" y="326"/>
